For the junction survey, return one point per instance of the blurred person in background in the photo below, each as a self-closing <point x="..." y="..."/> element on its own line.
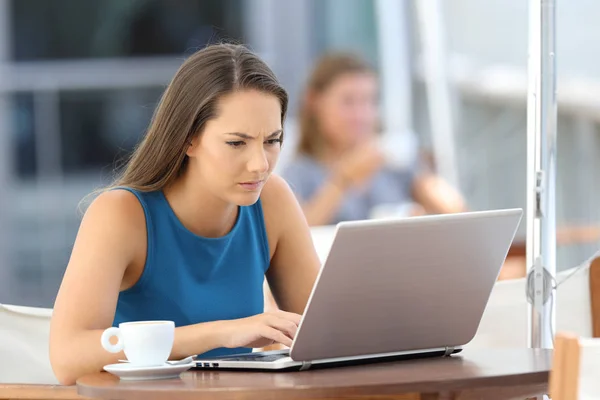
<point x="341" y="171"/>
<point x="192" y="227"/>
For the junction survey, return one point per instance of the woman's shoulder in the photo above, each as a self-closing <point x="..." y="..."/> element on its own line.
<point x="277" y="201"/>
<point x="113" y="223"/>
<point x="119" y="208"/>
<point x="276" y="195"/>
<point x="116" y="200"/>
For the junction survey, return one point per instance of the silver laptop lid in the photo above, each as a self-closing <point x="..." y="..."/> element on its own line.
<point x="404" y="284"/>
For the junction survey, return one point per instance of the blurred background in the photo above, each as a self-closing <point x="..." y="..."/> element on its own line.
<point x="79" y="80"/>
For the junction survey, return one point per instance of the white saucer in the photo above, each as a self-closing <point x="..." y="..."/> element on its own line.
<point x="130" y="372"/>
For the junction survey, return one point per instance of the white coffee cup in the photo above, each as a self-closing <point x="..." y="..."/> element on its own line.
<point x="400" y="149"/>
<point x="145" y="343"/>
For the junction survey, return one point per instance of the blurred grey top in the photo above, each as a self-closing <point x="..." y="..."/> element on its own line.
<point x="305" y="175"/>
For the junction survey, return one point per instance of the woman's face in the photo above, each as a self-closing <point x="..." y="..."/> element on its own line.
<point x="347" y="111"/>
<point x="236" y="152"/>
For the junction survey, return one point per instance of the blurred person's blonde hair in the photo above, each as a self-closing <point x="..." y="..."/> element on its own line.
<point x="326" y="71"/>
<point x="188" y="103"/>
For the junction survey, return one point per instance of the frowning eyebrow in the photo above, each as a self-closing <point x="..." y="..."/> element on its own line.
<point x="248" y="137"/>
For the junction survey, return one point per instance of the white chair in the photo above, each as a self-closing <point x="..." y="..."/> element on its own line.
<point x="575" y="368"/>
<point x="24" y="348"/>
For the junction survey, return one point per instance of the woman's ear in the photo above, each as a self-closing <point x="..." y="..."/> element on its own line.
<point x="192" y="146"/>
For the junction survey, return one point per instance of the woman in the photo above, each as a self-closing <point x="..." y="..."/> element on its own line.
<point x="192" y="227"/>
<point x="340" y="172"/>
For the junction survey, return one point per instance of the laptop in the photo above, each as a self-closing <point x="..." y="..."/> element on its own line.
<point x="394" y="289"/>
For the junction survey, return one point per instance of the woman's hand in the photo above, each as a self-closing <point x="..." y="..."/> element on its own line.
<point x="261" y="330"/>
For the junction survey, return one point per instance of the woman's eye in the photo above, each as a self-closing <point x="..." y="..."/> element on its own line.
<point x="274" y="141"/>
<point x="236" y="143"/>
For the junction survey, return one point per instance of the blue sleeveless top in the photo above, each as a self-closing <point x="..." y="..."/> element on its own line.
<point x="191" y="279"/>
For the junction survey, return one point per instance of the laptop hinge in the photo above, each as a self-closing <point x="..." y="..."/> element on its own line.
<point x="305" y="365"/>
<point x="448" y="351"/>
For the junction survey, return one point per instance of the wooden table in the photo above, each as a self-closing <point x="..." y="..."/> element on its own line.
<point x="472" y="374"/>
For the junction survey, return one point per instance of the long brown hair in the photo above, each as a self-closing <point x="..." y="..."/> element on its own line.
<point x="187" y="104"/>
<point x="329" y="68"/>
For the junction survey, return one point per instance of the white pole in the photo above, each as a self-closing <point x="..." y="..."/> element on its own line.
<point x="395" y="65"/>
<point x="6" y="163"/>
<point x="395" y="71"/>
<point x="541" y="173"/>
<point x="435" y="64"/>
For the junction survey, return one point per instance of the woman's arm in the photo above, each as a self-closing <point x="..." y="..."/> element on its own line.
<point x="436" y="196"/>
<point x="294" y="262"/>
<point x="321" y="208"/>
<point x="111" y="242"/>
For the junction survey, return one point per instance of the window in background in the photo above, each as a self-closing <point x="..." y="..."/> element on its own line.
<point x="99" y="129"/>
<point x="72" y="29"/>
<point x="23" y="135"/>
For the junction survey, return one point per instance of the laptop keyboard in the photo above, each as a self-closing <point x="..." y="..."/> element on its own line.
<point x="258" y="357"/>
